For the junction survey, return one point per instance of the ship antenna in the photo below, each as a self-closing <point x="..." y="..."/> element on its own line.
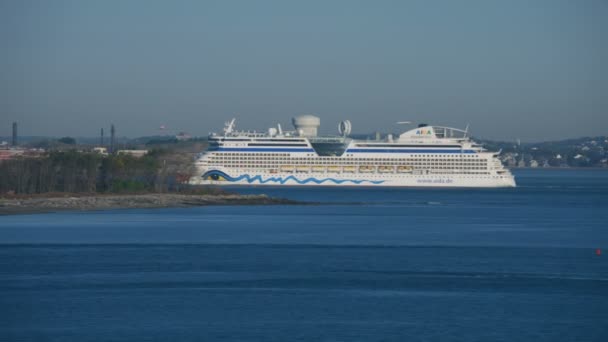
<point x="280" y="129"/>
<point x="229" y="127"/>
<point x="466" y="131"/>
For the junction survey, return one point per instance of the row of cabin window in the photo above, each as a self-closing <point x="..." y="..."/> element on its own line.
<point x="415" y="166"/>
<point x="253" y="158"/>
<point x="342" y="162"/>
<point x="274" y="155"/>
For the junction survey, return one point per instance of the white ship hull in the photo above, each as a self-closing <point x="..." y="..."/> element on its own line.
<point x="234" y="177"/>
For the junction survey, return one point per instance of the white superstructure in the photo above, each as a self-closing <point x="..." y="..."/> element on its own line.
<point x="426" y="156"/>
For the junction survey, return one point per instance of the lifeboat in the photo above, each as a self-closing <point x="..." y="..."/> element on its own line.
<point x="318" y="168"/>
<point x="349" y="169"/>
<point x="404" y="169"/>
<point x="302" y="168"/>
<point x="288" y="168"/>
<point x="333" y="168"/>
<point x="385" y="169"/>
<point x="366" y="169"/>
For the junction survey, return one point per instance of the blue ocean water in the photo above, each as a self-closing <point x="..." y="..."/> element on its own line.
<point x="368" y="265"/>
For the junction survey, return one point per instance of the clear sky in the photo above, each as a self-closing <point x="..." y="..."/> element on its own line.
<point x="527" y="69"/>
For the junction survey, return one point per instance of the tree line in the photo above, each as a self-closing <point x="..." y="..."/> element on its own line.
<point x="87" y="172"/>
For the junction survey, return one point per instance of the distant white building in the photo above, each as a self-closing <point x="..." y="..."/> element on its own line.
<point x="10" y="153"/>
<point x="134" y="153"/>
<point x="509" y="159"/>
<point x="521" y="163"/>
<point x="100" y="150"/>
<point x="182" y="136"/>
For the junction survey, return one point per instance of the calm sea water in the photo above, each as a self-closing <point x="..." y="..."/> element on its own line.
<point x="372" y="265"/>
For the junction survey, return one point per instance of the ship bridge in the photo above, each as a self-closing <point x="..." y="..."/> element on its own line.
<point x="425" y="133"/>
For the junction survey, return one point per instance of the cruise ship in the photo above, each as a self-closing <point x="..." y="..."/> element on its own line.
<point x="423" y="156"/>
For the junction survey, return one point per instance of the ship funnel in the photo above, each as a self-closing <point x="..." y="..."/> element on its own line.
<point x="306" y="125"/>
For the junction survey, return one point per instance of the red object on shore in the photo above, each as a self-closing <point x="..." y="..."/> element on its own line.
<point x="598" y="251"/>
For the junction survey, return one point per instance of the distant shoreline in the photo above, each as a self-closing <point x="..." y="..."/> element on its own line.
<point x="47" y="204"/>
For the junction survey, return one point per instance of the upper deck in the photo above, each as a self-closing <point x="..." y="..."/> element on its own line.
<point x="424" y="138"/>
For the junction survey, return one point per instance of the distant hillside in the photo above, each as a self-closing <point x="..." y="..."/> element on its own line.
<point x="580" y="152"/>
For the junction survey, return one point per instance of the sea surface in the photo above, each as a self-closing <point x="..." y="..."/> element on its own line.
<point x="523" y="264"/>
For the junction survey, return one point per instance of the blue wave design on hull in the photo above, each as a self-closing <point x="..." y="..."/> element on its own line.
<point x="215" y="174"/>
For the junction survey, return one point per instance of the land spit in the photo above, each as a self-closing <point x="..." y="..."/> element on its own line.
<point x="32" y="205"/>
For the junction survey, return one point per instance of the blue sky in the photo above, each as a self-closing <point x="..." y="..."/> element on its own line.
<point x="534" y="70"/>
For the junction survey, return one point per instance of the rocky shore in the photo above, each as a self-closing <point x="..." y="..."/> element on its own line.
<point x="31" y="205"/>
